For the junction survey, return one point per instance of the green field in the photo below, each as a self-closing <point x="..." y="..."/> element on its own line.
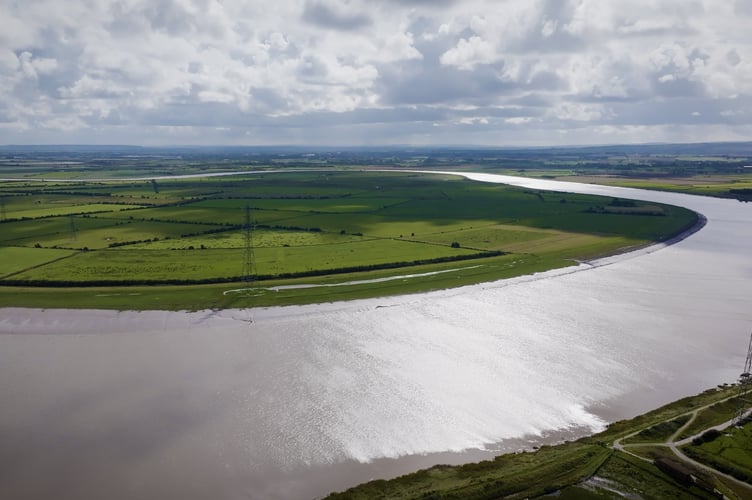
<point x="17" y="259"/>
<point x="716" y="414"/>
<point x="321" y="227"/>
<point x="660" y="432"/>
<point x="730" y="452"/>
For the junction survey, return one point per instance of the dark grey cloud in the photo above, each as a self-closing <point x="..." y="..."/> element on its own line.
<point x="531" y="101"/>
<point x="158" y="15"/>
<point x="439" y="84"/>
<point x="677" y="88"/>
<point x="683" y="111"/>
<point x="743" y="7"/>
<point x="312" y="69"/>
<point x="425" y="3"/>
<point x="324" y="16"/>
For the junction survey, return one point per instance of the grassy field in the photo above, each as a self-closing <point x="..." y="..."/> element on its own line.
<point x="337" y="225"/>
<point x="658" y="433"/>
<point x="716" y="414"/>
<point x="120" y="264"/>
<point x="219" y="296"/>
<point x="586" y="468"/>
<point x="730" y="452"/>
<point x="17" y="259"/>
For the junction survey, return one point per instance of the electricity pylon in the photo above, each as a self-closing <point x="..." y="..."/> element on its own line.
<point x="248" y="259"/>
<point x="745" y="386"/>
<point x="73" y="227"/>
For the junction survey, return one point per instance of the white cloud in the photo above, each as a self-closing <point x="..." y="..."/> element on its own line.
<point x="329" y="70"/>
<point x="518" y="120"/>
<point x="580" y="112"/>
<point x="549" y="28"/>
<point x="468" y="53"/>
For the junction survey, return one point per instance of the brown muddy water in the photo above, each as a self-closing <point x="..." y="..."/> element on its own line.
<point x="310" y="399"/>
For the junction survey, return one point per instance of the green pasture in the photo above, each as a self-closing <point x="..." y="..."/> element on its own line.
<point x="119" y="265"/>
<point x="120" y="232"/>
<point x="480" y="234"/>
<point x="53" y="210"/>
<point x="31" y="195"/>
<point x="730" y="452"/>
<point x="16" y="259"/>
<point x="660" y="432"/>
<point x="640" y="479"/>
<point x="31" y="200"/>
<point x="203" y="264"/>
<point x="319" y="223"/>
<point x="521" y="239"/>
<point x="47" y="230"/>
<point x="92" y="233"/>
<point x="714" y="415"/>
<point x="332" y="205"/>
<point x="220" y="296"/>
<point x="260" y="238"/>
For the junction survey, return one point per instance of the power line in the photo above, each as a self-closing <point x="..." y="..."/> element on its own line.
<point x="249" y="274"/>
<point x="248" y="260"/>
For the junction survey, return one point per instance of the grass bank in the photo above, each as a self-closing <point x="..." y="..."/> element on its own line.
<point x="586" y="468"/>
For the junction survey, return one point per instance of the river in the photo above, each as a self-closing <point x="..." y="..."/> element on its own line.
<point x="310" y="399"/>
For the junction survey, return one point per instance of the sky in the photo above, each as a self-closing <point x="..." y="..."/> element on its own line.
<point x="379" y="72"/>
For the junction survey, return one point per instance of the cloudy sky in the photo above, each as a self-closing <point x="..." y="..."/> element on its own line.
<point x="357" y="72"/>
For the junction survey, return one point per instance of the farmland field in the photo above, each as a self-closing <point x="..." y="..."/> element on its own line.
<point x="15" y="259"/>
<point x="273" y="227"/>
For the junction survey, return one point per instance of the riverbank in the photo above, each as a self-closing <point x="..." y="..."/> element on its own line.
<point x="594" y="467"/>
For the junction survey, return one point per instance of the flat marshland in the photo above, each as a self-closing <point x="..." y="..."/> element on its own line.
<point x="279" y="236"/>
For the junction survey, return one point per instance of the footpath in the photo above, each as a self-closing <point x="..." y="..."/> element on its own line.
<point x="675" y="445"/>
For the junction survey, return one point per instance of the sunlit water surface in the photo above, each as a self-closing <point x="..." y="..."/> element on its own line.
<point x="306" y="400"/>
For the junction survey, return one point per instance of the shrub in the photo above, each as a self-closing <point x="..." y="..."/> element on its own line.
<point x="707" y="437"/>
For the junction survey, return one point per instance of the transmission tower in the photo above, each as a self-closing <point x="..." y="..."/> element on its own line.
<point x="248" y="260"/>
<point x="73" y="227"/>
<point x="745" y="387"/>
